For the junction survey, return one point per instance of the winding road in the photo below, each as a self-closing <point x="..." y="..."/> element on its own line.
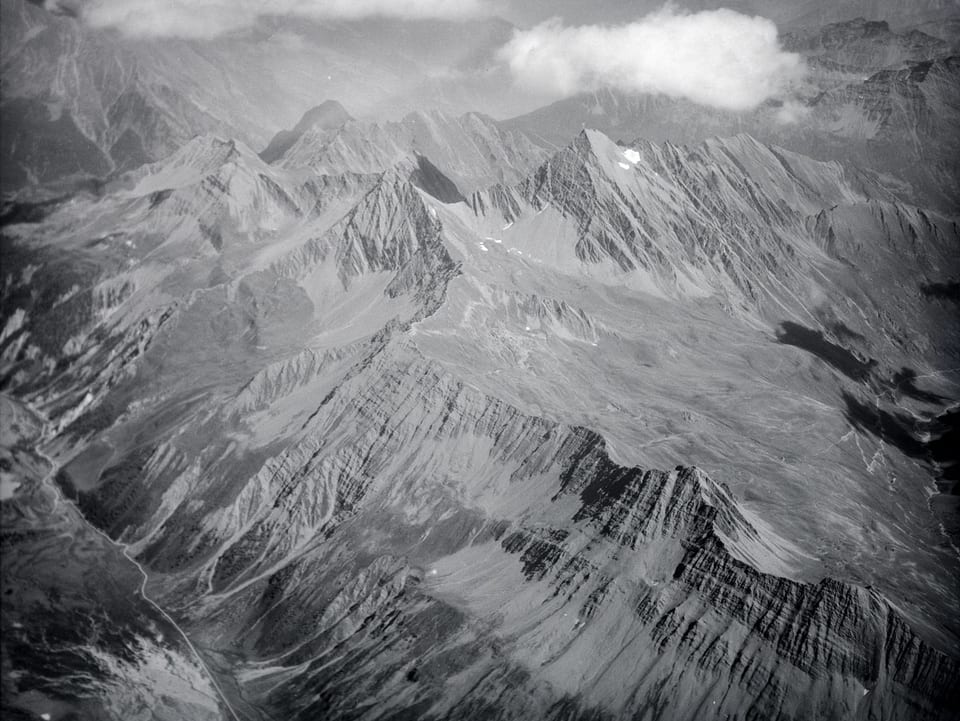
<point x="48" y="481"/>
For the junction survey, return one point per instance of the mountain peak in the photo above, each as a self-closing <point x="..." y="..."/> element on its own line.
<point x="200" y="157"/>
<point x="329" y="115"/>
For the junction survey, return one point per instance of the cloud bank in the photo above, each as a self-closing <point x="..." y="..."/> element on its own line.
<point x="210" y="18"/>
<point x="719" y="58"/>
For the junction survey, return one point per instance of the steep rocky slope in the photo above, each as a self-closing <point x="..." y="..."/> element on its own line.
<point x="79" y="640"/>
<point x="107" y="103"/>
<point x="329" y="115"/>
<point x="472" y="150"/>
<point x="81" y="102"/>
<point x="387" y="451"/>
<point x="874" y="97"/>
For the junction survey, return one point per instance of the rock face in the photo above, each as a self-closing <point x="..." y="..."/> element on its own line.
<point x="389" y="445"/>
<point x="328" y="116"/>
<point x="873" y="97"/>
<point x="82" y="103"/>
<point x="103" y="104"/>
<point x="78" y="638"/>
<point x="472" y="150"/>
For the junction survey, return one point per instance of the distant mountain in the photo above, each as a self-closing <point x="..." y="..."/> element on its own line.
<point x="455" y="418"/>
<point x="875" y="98"/>
<point x="79" y="102"/>
<point x="558" y="448"/>
<point x="330" y="115"/>
<point x="473" y="150"/>
<point x="794" y="14"/>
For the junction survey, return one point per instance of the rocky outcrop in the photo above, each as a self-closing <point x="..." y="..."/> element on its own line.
<point x="472" y="150"/>
<point x="859" y="45"/>
<point x="328" y="116"/>
<point x="720" y="218"/>
<point x="350" y="439"/>
<point x="874" y="97"/>
<point x="671" y="550"/>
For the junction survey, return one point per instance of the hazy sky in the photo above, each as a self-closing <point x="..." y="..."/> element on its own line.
<point x="719" y="53"/>
<point x="719" y="58"/>
<point x="205" y="17"/>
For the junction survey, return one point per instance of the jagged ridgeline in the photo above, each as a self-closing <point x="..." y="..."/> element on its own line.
<point x="454" y="418"/>
<point x="387" y="444"/>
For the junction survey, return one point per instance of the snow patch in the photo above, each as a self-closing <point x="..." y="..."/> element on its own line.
<point x="624" y="166"/>
<point x="632" y="155"/>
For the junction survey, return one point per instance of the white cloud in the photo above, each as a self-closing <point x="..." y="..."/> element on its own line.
<point x="719" y="58"/>
<point x="791" y="112"/>
<point x="210" y="18"/>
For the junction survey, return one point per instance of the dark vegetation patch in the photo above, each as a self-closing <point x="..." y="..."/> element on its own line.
<point x="128" y="152"/>
<point x="944" y="448"/>
<point x="894" y="428"/>
<point x="241" y="555"/>
<point x="85" y="468"/>
<point x="574" y="707"/>
<point x="12" y="213"/>
<point x="945" y="291"/>
<point x="38" y="146"/>
<point x="59" y="649"/>
<point x="903" y="431"/>
<point x="213" y="235"/>
<point x="120" y="494"/>
<point x="182" y="544"/>
<point x="904" y="381"/>
<point x="276" y="588"/>
<point x="841" y="330"/>
<point x="814" y="341"/>
<point x="52" y="320"/>
<point x="157" y="197"/>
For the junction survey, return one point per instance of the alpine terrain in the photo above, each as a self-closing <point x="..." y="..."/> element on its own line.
<point x="622" y="408"/>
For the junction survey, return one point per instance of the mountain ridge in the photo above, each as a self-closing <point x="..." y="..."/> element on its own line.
<point x="378" y="444"/>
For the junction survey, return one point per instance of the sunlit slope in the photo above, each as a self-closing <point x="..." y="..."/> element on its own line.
<point x="384" y="454"/>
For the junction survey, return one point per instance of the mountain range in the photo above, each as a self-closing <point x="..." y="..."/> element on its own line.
<point x="621" y="408"/>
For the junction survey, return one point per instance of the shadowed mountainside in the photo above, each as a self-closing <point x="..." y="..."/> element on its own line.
<point x="386" y="449"/>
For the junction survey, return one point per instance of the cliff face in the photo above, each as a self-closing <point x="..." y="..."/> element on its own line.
<point x="389" y="452"/>
<point x="419" y="528"/>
